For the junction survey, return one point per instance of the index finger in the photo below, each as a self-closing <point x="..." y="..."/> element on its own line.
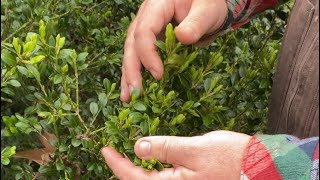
<point x="153" y="18"/>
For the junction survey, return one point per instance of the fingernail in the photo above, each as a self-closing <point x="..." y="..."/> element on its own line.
<point x="144" y="148"/>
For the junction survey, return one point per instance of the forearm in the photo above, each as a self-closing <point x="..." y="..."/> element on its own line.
<point x="281" y="157"/>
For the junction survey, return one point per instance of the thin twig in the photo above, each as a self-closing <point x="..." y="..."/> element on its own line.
<point x="16" y="31"/>
<point x="77" y="94"/>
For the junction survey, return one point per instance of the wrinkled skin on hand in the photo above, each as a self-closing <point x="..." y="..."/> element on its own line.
<point x="194" y="19"/>
<point x="216" y="155"/>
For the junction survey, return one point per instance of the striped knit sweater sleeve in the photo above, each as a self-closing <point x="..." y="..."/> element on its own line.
<point x="277" y="157"/>
<point x="240" y="12"/>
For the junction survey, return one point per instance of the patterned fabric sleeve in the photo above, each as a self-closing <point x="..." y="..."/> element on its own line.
<point x="273" y="157"/>
<point x="240" y="11"/>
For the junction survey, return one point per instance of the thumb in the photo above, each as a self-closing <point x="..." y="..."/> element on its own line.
<point x="205" y="16"/>
<point x="167" y="149"/>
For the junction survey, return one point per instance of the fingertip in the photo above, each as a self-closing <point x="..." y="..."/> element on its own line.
<point x="157" y="74"/>
<point x="124" y="94"/>
<point x="186" y="34"/>
<point x="108" y="152"/>
<point x="124" y="97"/>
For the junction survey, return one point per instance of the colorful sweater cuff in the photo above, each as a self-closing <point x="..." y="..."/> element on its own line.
<point x="281" y="157"/>
<point x="240" y="11"/>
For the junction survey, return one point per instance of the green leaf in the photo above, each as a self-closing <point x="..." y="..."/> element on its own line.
<point x="159" y="166"/>
<point x="57" y="79"/>
<point x="36" y="59"/>
<point x="63" y="148"/>
<point x="156" y="110"/>
<point x="113" y="87"/>
<point x="29" y="46"/>
<point x="264" y="84"/>
<point x="14" y="83"/>
<point x="174" y="59"/>
<point x="216" y="59"/>
<point x="152" y="87"/>
<point x="66" y="54"/>
<point x="187" y="105"/>
<point x="217" y="89"/>
<point x="242" y="72"/>
<point x="111" y="128"/>
<point x="23" y="70"/>
<point x="144" y="127"/>
<point x="139" y="106"/>
<point x="8" y="91"/>
<point x="91" y="166"/>
<point x="230" y="124"/>
<point x="190" y="58"/>
<point x="22" y="126"/>
<point x="16" y="45"/>
<point x="107" y="84"/>
<point x="65" y="68"/>
<point x="75" y="142"/>
<point x="94" y="108"/>
<point x="114" y="96"/>
<point x="5" y="161"/>
<point x="7" y="153"/>
<point x="42" y="29"/>
<point x="156" y="122"/>
<point x="66" y="107"/>
<point x="8" y="59"/>
<point x="161" y="45"/>
<point x="193" y="112"/>
<point x="170" y="38"/>
<point x="34" y="71"/>
<point x="59" y="42"/>
<point x="38" y="127"/>
<point x="9" y="121"/>
<point x="169" y="96"/>
<point x="207" y="83"/>
<point x="52" y="41"/>
<point x="137" y="117"/>
<point x="180" y="118"/>
<point x="82" y="56"/>
<point x="44" y="114"/>
<point x="43" y="169"/>
<point x="59" y="165"/>
<point x="207" y="121"/>
<point x="123" y="114"/>
<point x="103" y="99"/>
<point x="135" y="93"/>
<point x="213" y="83"/>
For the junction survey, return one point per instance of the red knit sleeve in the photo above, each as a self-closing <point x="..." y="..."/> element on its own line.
<point x="240" y="11"/>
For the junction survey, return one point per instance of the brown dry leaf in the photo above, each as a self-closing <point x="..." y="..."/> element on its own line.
<point x="40" y="156"/>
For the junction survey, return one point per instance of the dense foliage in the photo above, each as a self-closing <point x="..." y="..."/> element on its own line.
<point x="60" y="75"/>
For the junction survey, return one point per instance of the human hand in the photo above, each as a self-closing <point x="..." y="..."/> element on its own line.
<point x="195" y="18"/>
<point x="216" y="155"/>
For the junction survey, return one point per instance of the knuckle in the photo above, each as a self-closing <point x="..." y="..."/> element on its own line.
<point x="138" y="32"/>
<point x="165" y="149"/>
